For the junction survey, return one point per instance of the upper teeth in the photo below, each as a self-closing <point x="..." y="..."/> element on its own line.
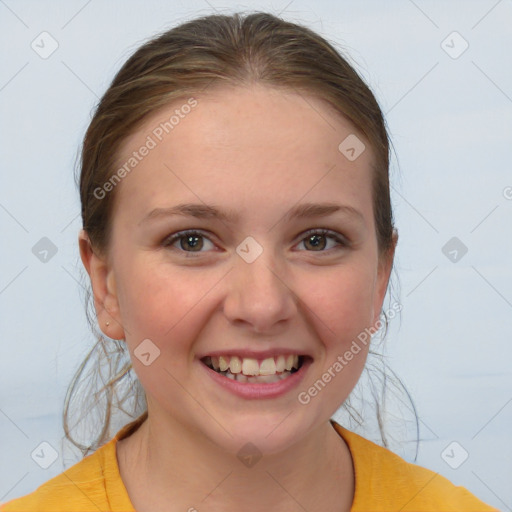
<point x="250" y="366"/>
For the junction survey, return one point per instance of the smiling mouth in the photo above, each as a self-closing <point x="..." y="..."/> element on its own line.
<point x="253" y="371"/>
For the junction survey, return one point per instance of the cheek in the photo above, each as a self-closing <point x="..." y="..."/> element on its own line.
<point x="166" y="306"/>
<point x="162" y="302"/>
<point x="342" y="313"/>
<point x="340" y="303"/>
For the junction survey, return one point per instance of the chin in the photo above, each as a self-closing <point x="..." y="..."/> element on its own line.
<point x="262" y="434"/>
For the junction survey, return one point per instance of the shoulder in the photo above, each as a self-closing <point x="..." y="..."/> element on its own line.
<point x="80" y="488"/>
<point x="385" y="482"/>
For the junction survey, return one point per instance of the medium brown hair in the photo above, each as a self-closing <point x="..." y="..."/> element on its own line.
<point x="233" y="50"/>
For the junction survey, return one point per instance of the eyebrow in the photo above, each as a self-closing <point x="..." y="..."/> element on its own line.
<point x="204" y="211"/>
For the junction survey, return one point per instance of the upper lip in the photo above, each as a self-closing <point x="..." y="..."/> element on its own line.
<point x="254" y="354"/>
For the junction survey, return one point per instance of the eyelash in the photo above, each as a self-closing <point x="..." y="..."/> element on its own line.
<point x="170" y="240"/>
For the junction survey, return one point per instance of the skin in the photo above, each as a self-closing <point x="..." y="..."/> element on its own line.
<point x="259" y="152"/>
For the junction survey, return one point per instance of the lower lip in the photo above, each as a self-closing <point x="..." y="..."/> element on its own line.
<point x="263" y="390"/>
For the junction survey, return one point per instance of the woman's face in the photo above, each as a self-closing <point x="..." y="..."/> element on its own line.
<point x="255" y="285"/>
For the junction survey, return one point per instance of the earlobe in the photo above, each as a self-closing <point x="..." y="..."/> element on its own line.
<point x="103" y="288"/>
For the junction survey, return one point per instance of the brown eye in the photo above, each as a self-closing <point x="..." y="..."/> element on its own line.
<point x="317" y="240"/>
<point x="193" y="240"/>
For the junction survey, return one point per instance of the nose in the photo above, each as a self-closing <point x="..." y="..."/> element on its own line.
<point x="259" y="295"/>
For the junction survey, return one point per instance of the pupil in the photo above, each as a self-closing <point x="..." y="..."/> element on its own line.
<point x="315" y="237"/>
<point x="192" y="244"/>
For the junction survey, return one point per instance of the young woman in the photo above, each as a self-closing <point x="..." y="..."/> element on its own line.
<point x="238" y="235"/>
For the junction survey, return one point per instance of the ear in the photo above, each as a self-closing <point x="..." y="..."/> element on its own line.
<point x="382" y="278"/>
<point x="104" y="288"/>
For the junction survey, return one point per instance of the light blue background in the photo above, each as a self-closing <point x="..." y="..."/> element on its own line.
<point x="451" y="124"/>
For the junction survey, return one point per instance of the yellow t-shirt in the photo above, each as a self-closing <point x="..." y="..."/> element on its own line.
<point x="384" y="482"/>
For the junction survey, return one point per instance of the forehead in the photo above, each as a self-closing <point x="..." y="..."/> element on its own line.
<point x="237" y="146"/>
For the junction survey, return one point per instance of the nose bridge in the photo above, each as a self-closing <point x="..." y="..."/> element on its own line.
<point x="258" y="294"/>
<point x="262" y="274"/>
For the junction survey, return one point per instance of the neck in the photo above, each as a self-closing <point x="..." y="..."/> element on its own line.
<point x="178" y="469"/>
